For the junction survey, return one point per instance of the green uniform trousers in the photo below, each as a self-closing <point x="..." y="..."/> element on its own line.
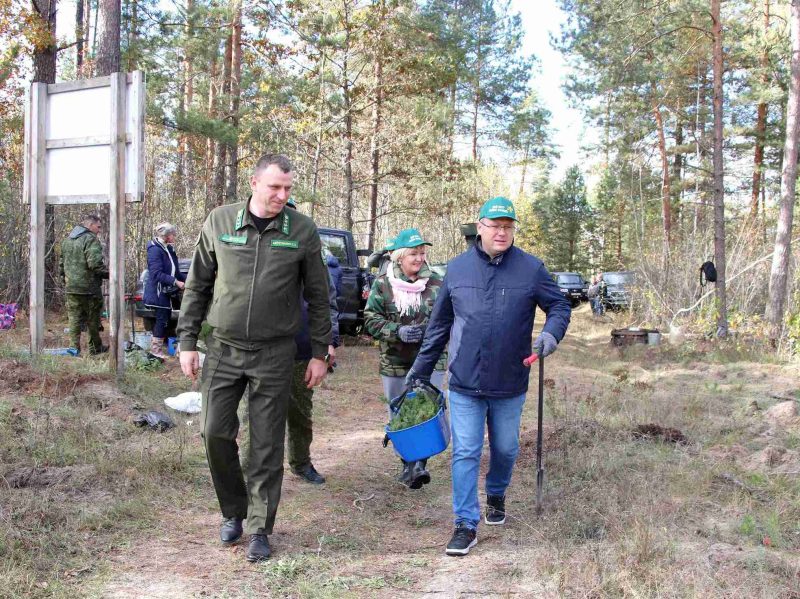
<point x="299" y="423"/>
<point x="84" y="309"/>
<point x="266" y="374"/>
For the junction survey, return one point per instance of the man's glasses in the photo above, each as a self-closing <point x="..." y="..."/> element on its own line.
<point x="496" y="228"/>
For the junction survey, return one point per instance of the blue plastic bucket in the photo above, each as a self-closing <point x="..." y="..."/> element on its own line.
<point x="172" y="345"/>
<point x="422" y="440"/>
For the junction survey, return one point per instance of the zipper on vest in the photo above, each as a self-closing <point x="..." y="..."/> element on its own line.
<point x="252" y="288"/>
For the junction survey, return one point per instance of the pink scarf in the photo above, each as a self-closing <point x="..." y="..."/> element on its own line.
<point x="407" y="295"/>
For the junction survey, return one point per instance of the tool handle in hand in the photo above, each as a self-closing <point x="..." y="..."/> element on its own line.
<point x="527" y="362"/>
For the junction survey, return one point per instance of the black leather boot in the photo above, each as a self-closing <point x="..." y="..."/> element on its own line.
<point x="403" y="476"/>
<point x="258" y="550"/>
<point x="419" y="475"/>
<point x="231" y="530"/>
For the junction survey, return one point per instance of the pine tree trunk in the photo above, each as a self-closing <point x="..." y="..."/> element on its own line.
<point x="719" y="183"/>
<point x="236" y="75"/>
<point x="44" y="71"/>
<point x="524" y="173"/>
<point x="666" y="212"/>
<point x="188" y="94"/>
<point x="761" y="125"/>
<point x="778" y="280"/>
<point x="477" y="95"/>
<point x="133" y="39"/>
<point x="476" y="100"/>
<point x="320" y="122"/>
<point x="44" y="54"/>
<point x="377" y="104"/>
<point x="220" y="155"/>
<point x="80" y="34"/>
<point x="211" y="143"/>
<point x="677" y="175"/>
<point x="108" y="51"/>
<point x="347" y="148"/>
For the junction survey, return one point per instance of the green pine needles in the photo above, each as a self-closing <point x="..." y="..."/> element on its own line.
<point x="415" y="410"/>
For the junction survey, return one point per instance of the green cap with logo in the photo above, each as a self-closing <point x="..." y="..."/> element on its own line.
<point x="498" y="207"/>
<point x="409" y="238"/>
<point x="389" y="247"/>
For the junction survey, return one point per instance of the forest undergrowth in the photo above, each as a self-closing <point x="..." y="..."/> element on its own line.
<point x="670" y="471"/>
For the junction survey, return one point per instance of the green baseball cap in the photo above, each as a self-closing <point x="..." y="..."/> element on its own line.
<point x="291" y="203"/>
<point x="409" y="238"/>
<point x="498" y="207"/>
<point x="389" y="247"/>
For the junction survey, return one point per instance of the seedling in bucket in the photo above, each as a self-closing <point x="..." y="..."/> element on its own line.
<point x="414" y="439"/>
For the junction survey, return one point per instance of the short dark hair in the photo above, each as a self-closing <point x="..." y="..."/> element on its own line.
<point x="91" y="218"/>
<point x="281" y="161"/>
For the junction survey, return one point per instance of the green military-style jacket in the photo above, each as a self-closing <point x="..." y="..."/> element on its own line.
<point x="382" y="319"/>
<point x="81" y="263"/>
<point x="249" y="284"/>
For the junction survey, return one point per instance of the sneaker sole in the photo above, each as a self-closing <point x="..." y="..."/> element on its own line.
<point x="464" y="551"/>
<point x="495" y="522"/>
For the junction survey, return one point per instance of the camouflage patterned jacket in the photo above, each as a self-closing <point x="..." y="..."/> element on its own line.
<point x="382" y="319"/>
<point x="82" y="265"/>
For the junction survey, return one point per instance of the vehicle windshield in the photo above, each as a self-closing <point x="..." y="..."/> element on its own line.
<point x="570" y="279"/>
<point x="618" y="278"/>
<point x="334" y="244"/>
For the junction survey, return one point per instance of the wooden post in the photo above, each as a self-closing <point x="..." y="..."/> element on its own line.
<point x="35" y="191"/>
<point x="116" y="197"/>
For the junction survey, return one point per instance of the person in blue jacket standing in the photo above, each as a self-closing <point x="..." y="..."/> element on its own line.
<point x="336" y="272"/>
<point x="164" y="280"/>
<point x="485" y="310"/>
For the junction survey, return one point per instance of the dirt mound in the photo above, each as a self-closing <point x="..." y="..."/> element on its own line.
<point x="776" y="459"/>
<point x="783" y="413"/>
<point x="577" y="433"/>
<point x="19" y="377"/>
<point x="31" y="477"/>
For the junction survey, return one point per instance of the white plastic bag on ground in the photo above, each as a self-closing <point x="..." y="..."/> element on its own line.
<point x="188" y="402"/>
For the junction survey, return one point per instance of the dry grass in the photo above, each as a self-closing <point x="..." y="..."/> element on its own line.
<point x="133" y="513"/>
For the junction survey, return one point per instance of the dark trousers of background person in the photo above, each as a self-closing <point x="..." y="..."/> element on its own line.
<point x="162" y="322"/>
<point x="299" y="422"/>
<point x="266" y="374"/>
<point x="84" y="309"/>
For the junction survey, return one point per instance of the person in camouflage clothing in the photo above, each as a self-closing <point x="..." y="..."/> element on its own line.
<point x="397" y="311"/>
<point x="83" y="270"/>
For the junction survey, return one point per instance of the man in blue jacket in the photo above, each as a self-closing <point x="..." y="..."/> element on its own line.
<point x="485" y="309"/>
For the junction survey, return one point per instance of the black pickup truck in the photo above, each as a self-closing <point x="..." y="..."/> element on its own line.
<point x="356" y="283"/>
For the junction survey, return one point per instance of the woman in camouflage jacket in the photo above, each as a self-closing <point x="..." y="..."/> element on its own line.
<point x="397" y="312"/>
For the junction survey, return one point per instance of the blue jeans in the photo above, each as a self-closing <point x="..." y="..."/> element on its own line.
<point x="468" y="415"/>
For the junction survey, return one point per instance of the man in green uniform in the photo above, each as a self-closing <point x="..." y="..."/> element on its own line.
<point x="250" y="263"/>
<point x="83" y="270"/>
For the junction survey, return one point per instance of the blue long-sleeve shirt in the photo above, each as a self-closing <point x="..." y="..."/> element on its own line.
<point x="485" y="310"/>
<point x="303" y="337"/>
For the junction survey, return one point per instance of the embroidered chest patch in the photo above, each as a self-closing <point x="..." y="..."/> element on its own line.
<point x="233" y="239"/>
<point x="289" y="244"/>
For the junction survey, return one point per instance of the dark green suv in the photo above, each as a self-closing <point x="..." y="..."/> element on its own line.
<point x="572" y="285"/>
<point x="617" y="293"/>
